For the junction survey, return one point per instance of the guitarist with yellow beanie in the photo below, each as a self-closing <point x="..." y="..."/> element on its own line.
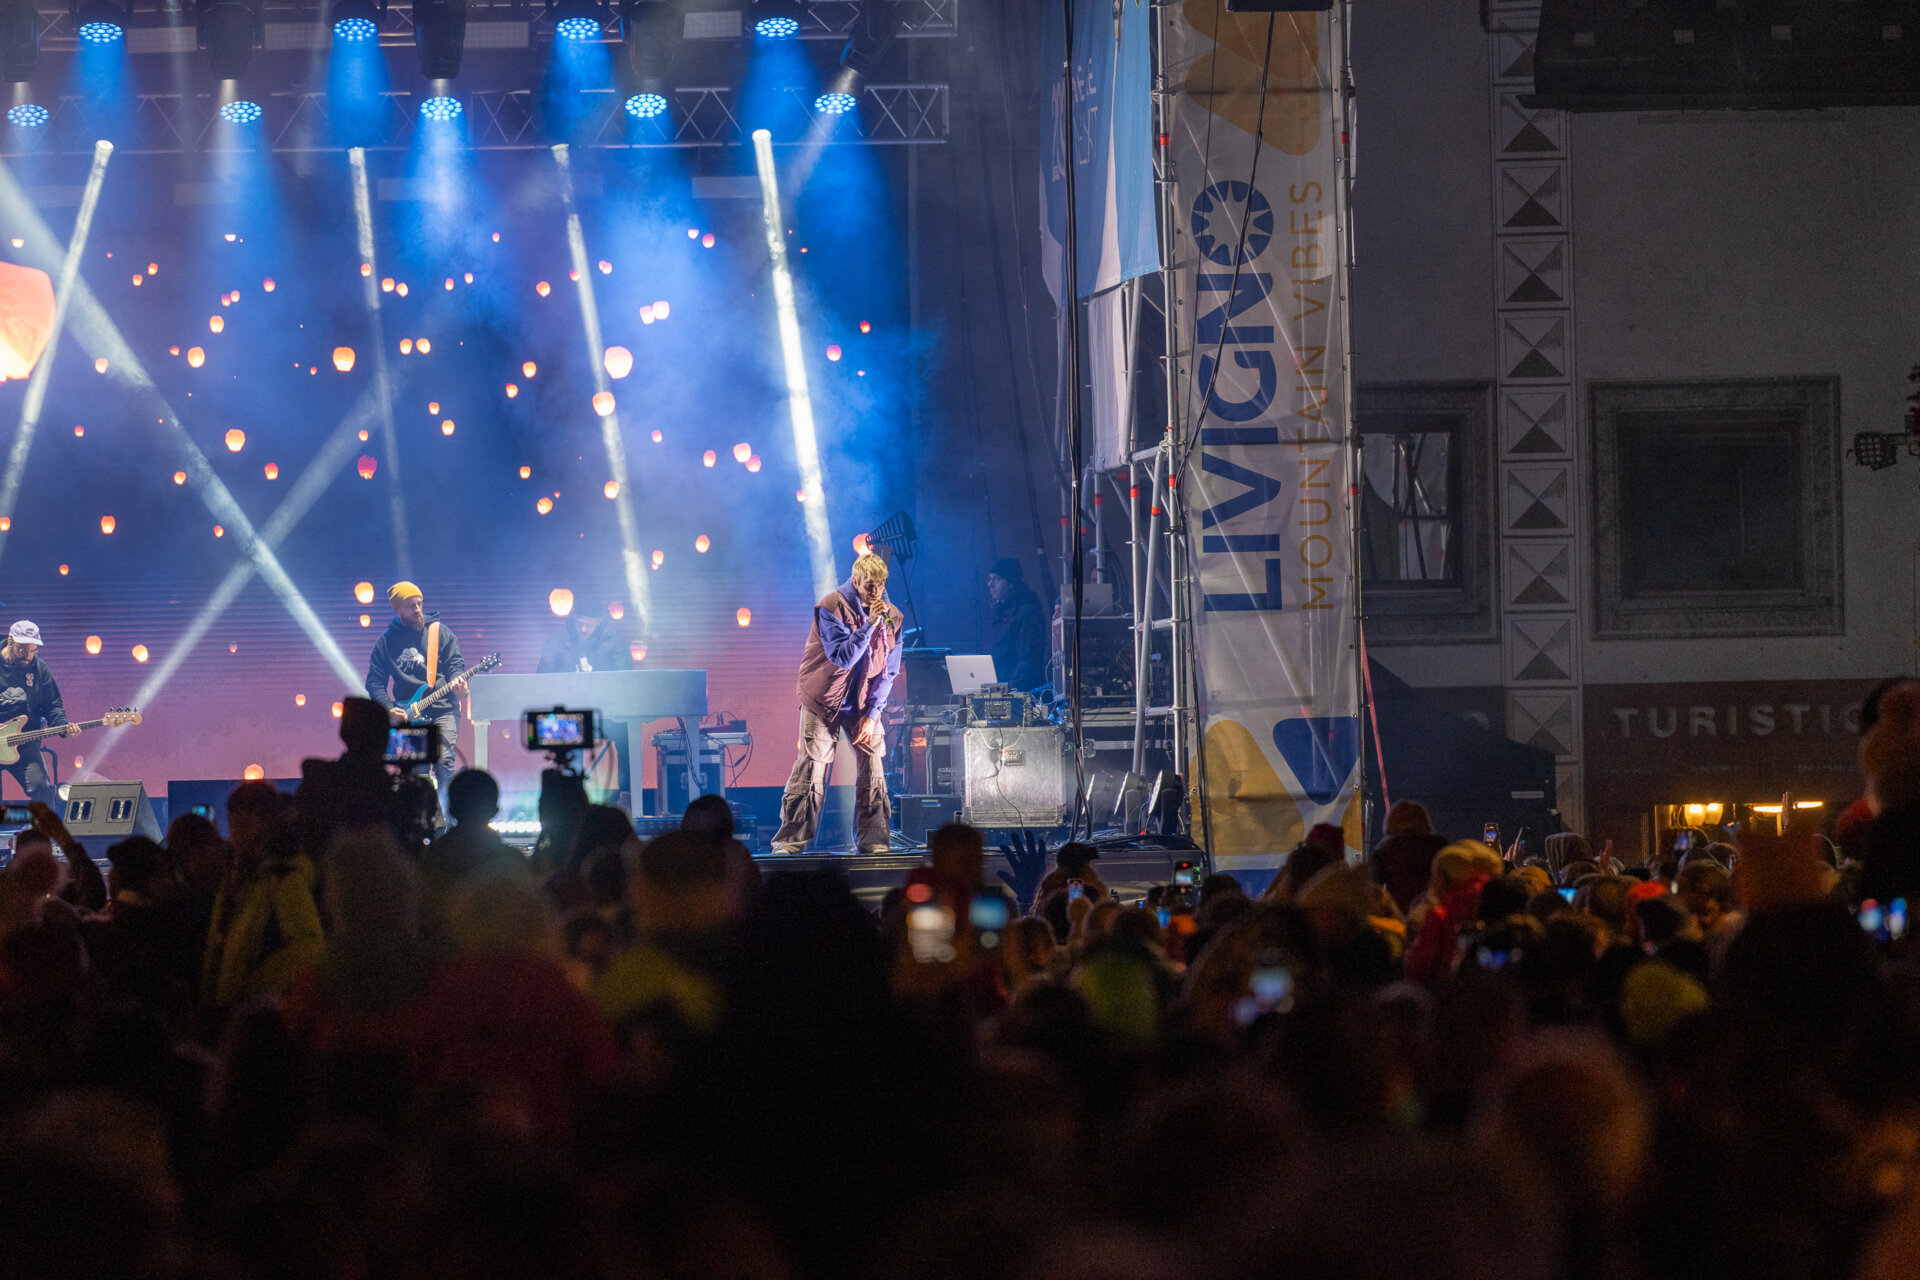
<point x="414" y="657"/>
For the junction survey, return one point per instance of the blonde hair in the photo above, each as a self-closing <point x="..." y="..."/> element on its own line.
<point x="869" y="568"/>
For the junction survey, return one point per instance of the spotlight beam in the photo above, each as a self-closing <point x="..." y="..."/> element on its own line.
<point x="321" y="472"/>
<point x="98" y="336"/>
<point x="37" y="383"/>
<point x="630" y="561"/>
<point x="396" y="499"/>
<point x="806" y="445"/>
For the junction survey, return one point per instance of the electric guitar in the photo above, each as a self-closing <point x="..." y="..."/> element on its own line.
<point x="428" y="697"/>
<point x="11" y="738"/>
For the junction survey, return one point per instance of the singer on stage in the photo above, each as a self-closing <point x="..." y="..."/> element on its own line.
<point x="851" y="661"/>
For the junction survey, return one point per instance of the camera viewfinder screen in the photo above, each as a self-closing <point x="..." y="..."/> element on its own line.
<point x="406" y="744"/>
<point x="560" y="730"/>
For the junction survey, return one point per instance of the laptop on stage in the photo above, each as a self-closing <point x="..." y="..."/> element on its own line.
<point x="969" y="672"/>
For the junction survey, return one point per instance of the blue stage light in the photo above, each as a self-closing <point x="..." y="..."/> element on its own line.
<point x="240" y="112"/>
<point x="577" y="28"/>
<point x="28" y="115"/>
<point x="441" y="108"/>
<point x="778" y="28"/>
<point x="355" y="30"/>
<point x="100" y="32"/>
<point x="835" y="104"/>
<point x="645" y="106"/>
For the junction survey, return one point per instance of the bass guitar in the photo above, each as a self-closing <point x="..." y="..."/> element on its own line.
<point x="428" y="697"/>
<point x="12" y="739"/>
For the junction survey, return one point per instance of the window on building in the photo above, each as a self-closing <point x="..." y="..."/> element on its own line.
<point x="1425" y="535"/>
<point x="1717" y="508"/>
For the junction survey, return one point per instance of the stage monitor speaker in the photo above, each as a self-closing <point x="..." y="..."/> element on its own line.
<point x="1015" y="777"/>
<point x="922" y="814"/>
<point x="112" y="809"/>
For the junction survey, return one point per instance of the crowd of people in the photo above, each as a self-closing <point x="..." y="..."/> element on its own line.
<point x="316" y="1046"/>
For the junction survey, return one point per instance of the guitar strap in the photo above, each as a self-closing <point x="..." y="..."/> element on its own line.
<point x="433" y="653"/>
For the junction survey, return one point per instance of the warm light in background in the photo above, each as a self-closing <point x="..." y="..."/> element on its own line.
<point x="560" y="600"/>
<point x="707" y="241"/>
<point x="446" y="427"/>
<point x="543" y="288"/>
<point x="833" y="352"/>
<point x="219" y="531"/>
<point x="528" y="369"/>
<point x="254" y="773"/>
<point x="339" y="709"/>
<point x="268" y="284"/>
<point x="866" y="326"/>
<point x="363" y="592"/>
<point x="860" y="545"/>
<point x="236" y="439"/>
<point x="107" y="524"/>
<point x="78" y="430"/>
<point x="179" y="477"/>
<point x="658" y="436"/>
<point x="543" y="506"/>
<point x="753" y="464"/>
<point x="139" y="653"/>
<point x="603" y="403"/>
<point x="619" y="362"/>
<point x="366" y="619"/>
<point x="512" y="391"/>
<point x="616" y="610"/>
<point x="433" y="406"/>
<point x="611" y="488"/>
<point x="526" y="473"/>
<point x="659" y="558"/>
<point x="424" y="345"/>
<point x="701" y="543"/>
<point x="646" y="315"/>
<point x="406" y="346"/>
<point x="216" y="324"/>
<point x="367" y="466"/>
<point x="606" y="268"/>
<point x="64" y="570"/>
<point x="744" y="617"/>
<point x="386" y="285"/>
<point x="299" y="699"/>
<point x="93" y="644"/>
<point x="273" y="470"/>
<point x="195" y="357"/>
<point x="742" y="451"/>
<point x="343" y="359"/>
<point x="100" y="365"/>
<point x="708" y="458"/>
<point x="661" y="311"/>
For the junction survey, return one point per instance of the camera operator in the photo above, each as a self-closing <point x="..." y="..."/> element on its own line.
<point x="358" y="789"/>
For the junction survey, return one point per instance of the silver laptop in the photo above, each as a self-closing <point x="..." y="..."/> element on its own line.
<point x="969" y="672"/>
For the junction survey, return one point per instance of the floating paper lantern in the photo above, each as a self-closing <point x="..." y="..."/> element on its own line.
<point x="26" y="318"/>
<point x="606" y="268"/>
<point x="367" y="466"/>
<point x="619" y="362"/>
<point x="173" y="351"/>
<point x="219" y="532"/>
<point x="78" y="430"/>
<point x="100" y="365"/>
<point x="446" y="427"/>
<point x="139" y="653"/>
<point x="741" y="452"/>
<point x="423" y="346"/>
<point x="616" y="610"/>
<point x="833" y="352"/>
<point x="93" y="644"/>
<point x="343" y="359"/>
<point x="64" y="570"/>
<point x="433" y="406"/>
<point x="139" y="280"/>
<point x="659" y="558"/>
<point x="179" y="477"/>
<point x="366" y="619"/>
<point x="701" y="543"/>
<point x="6" y="523"/>
<point x="560" y="600"/>
<point x="661" y="311"/>
<point x="657" y="435"/>
<point x="638" y="652"/>
<point x="611" y="488"/>
<point x="363" y="435"/>
<point x="386" y="285"/>
<point x="236" y="439"/>
<point x="406" y="346"/>
<point x="217" y="324"/>
<point x="528" y="369"/>
<point x="273" y="470"/>
<point x="543" y="506"/>
<point x="253" y="773"/>
<point x="363" y="592"/>
<point x="708" y="458"/>
<point x="449" y="284"/>
<point x="107" y="524"/>
<point x="707" y="240"/>
<point x="195" y="357"/>
<point x="268" y="284"/>
<point x="860" y="544"/>
<point x="512" y="390"/>
<point x="574" y="276"/>
<point x="401" y="288"/>
<point x="744" y="617"/>
<point x="526" y="473"/>
<point x="866" y="326"/>
<point x="468" y="277"/>
<point x="646" y="315"/>
<point x="753" y="464"/>
<point x="543" y="288"/>
<point x="299" y="699"/>
<point x="339" y="709"/>
<point x="366" y="268"/>
<point x="693" y="233"/>
<point x="603" y="403"/>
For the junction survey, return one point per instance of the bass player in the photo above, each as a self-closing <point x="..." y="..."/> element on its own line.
<point x="27" y="688"/>
<point x="415" y="654"/>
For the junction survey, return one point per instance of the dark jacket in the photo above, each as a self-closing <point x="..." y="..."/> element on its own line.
<point x="399" y="656"/>
<point x="29" y="690"/>
<point x="603" y="648"/>
<point x="1404" y="863"/>
<point x="849" y="664"/>
<point x="1017" y="639"/>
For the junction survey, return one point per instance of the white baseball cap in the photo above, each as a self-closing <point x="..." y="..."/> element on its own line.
<point x="24" y="632"/>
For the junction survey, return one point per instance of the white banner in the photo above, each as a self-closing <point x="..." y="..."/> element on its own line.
<point x="1267" y="483"/>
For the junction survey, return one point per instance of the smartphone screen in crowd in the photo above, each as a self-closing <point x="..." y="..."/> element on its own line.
<point x="1491" y="834"/>
<point x="1076" y="890"/>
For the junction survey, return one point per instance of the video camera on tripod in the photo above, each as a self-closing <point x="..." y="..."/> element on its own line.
<point x="560" y="733"/>
<point x="414" y="802"/>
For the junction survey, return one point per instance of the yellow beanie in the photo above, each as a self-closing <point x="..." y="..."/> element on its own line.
<point x="400" y="591"/>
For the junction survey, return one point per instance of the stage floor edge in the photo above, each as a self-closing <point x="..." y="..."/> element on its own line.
<point x="1128" y="872"/>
